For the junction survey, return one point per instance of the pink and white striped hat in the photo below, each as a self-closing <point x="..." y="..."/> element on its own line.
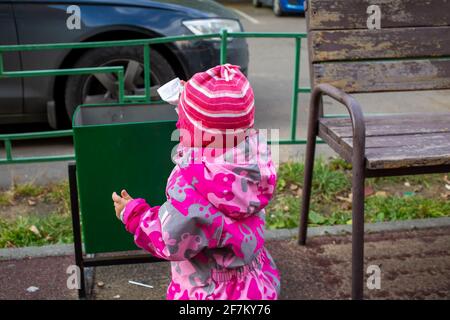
<point x="216" y="101"/>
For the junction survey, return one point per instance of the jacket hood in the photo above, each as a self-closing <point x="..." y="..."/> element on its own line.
<point x="238" y="181"/>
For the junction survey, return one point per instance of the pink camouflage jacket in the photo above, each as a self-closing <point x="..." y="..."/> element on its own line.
<point x="211" y="227"/>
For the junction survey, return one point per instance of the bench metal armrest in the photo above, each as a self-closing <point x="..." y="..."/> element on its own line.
<point x="353" y="108"/>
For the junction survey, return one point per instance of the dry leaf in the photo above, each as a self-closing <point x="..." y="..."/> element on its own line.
<point x="31" y="202"/>
<point x="286" y="208"/>
<point x="446" y="180"/>
<point x="293" y="187"/>
<point x="368" y="191"/>
<point x="346" y="205"/>
<point x="346" y="199"/>
<point x="100" y="284"/>
<point x="381" y="194"/>
<point x="407" y="184"/>
<point x="447" y="186"/>
<point x="35" y="230"/>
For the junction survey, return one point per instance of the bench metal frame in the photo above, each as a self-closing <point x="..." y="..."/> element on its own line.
<point x="352" y="65"/>
<point x="359" y="174"/>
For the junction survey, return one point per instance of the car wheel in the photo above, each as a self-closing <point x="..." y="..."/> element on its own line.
<point x="102" y="88"/>
<point x="257" y="3"/>
<point x="277" y="8"/>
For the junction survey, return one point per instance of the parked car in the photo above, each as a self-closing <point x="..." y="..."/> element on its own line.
<point x="281" y="7"/>
<point x="53" y="99"/>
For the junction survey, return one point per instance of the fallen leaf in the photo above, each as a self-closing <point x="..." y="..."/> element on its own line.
<point x="100" y="284"/>
<point x="35" y="230"/>
<point x="447" y="186"/>
<point x="116" y="296"/>
<point x="381" y="194"/>
<point x="346" y="199"/>
<point x="446" y="180"/>
<point x="286" y="208"/>
<point x="407" y="184"/>
<point x="346" y="206"/>
<point x="349" y="221"/>
<point x="293" y="187"/>
<point x="368" y="191"/>
<point x="31" y="202"/>
<point x="10" y="244"/>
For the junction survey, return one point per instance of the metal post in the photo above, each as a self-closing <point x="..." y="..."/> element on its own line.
<point x="121" y="85"/>
<point x="1" y="63"/>
<point x="313" y="126"/>
<point x="77" y="241"/>
<point x="147" y="72"/>
<point x="8" y="147"/>
<point x="358" y="177"/>
<point x="223" y="46"/>
<point x="295" y="90"/>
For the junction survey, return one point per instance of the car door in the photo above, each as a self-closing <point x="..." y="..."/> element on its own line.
<point x="11" y="90"/>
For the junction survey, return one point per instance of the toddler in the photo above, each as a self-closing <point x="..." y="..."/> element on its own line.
<point x="211" y="227"/>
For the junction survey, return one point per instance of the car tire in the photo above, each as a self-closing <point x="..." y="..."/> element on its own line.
<point x="257" y="3"/>
<point x="277" y="8"/>
<point x="76" y="89"/>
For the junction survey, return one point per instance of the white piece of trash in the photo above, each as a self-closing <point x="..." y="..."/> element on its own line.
<point x="140" y="284"/>
<point x="32" y="289"/>
<point x="170" y="92"/>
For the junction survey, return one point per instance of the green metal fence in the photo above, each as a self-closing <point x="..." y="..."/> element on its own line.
<point x="224" y="36"/>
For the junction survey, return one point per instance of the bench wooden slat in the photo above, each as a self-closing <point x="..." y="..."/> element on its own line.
<point x="428" y="150"/>
<point x="382" y="76"/>
<point x="394" y="118"/>
<point x="390" y="125"/>
<point x="375" y="44"/>
<point x="420" y="140"/>
<point x="414" y="142"/>
<point x="352" y="14"/>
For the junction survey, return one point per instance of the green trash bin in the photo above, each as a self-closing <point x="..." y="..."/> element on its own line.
<point x="119" y="147"/>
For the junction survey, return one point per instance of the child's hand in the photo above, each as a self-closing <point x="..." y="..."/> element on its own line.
<point x="120" y="201"/>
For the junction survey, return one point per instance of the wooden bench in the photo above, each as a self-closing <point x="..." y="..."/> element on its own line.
<point x="410" y="52"/>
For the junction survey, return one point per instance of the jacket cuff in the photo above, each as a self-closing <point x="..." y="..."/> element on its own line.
<point x="132" y="214"/>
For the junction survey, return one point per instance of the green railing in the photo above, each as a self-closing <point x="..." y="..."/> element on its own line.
<point x="224" y="36"/>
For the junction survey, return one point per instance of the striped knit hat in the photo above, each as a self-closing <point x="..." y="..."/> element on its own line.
<point x="216" y="101"/>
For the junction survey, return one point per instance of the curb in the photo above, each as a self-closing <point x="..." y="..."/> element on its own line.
<point x="284" y="234"/>
<point x="280" y="234"/>
<point x="53" y="250"/>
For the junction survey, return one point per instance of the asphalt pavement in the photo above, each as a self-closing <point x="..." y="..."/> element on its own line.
<point x="413" y="264"/>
